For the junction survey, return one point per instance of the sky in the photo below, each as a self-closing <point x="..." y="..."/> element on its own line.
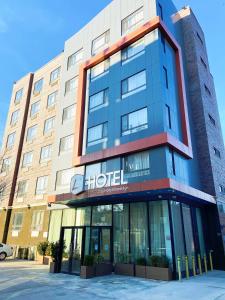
<point x="33" y="32"/>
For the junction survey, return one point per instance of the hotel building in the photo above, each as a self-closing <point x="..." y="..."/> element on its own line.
<point x="115" y="146"/>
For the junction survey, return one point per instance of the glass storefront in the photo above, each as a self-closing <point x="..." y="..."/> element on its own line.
<point x="126" y="232"/>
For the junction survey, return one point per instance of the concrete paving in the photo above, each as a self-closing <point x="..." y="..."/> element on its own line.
<point x="26" y="280"/>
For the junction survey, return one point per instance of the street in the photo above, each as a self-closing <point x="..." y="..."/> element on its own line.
<point x="26" y="280"/>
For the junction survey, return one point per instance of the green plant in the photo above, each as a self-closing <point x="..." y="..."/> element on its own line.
<point x="42" y="249"/>
<point x="54" y="249"/>
<point x="141" y="261"/>
<point x="123" y="258"/>
<point x="89" y="260"/>
<point x="158" y="261"/>
<point x="99" y="259"/>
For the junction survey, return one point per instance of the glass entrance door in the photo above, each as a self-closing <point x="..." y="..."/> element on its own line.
<point x="72" y="251"/>
<point x="100" y="242"/>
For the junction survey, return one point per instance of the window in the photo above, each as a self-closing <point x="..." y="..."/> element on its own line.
<point x="31" y="133"/>
<point x="212" y="120"/>
<point x="160" y="11"/>
<point x="135" y="121"/>
<point x="14" y="117"/>
<point x="203" y="63"/>
<point x="41" y="186"/>
<point x="134" y="83"/>
<point x="172" y="162"/>
<point x="55" y="75"/>
<point x="10" y="140"/>
<point x="100" y="69"/>
<point x="63" y="178"/>
<point x="222" y="189"/>
<point x="97" y="134"/>
<point x="18" y="96"/>
<point x="98" y="100"/>
<point x="136" y="164"/>
<point x="66" y="144"/>
<point x="133" y="50"/>
<point x="52" y="99"/>
<point x="71" y="85"/>
<point x="199" y="38"/>
<point x="168" y="117"/>
<point x="207" y="90"/>
<point x="165" y="73"/>
<point x="22" y="188"/>
<point x="35" y="107"/>
<point x="38" y="86"/>
<point x="49" y="125"/>
<point x="132" y="20"/>
<point x="46" y="152"/>
<point x="217" y="152"/>
<point x="100" y="42"/>
<point x="17" y="221"/>
<point x="37" y="220"/>
<point x="6" y="163"/>
<point x="68" y="113"/>
<point x="27" y="159"/>
<point x="74" y="58"/>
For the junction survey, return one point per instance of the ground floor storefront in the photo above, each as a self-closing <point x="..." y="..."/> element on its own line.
<point x="128" y="232"/>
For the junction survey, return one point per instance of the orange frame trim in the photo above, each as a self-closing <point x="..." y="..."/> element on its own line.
<point x="183" y="147"/>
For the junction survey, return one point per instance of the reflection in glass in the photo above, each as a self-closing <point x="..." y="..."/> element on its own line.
<point x="67" y="250"/>
<point x="200" y="231"/>
<point x="177" y="231"/>
<point x="189" y="239"/>
<point x="83" y="216"/>
<point x="120" y="231"/>
<point x="138" y="230"/>
<point x="55" y="225"/>
<point x="68" y="217"/>
<point x="160" y="229"/>
<point x="102" y="215"/>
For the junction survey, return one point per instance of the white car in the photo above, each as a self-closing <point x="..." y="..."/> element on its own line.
<point x="5" y="251"/>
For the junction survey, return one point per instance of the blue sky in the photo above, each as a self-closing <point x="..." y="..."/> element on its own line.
<point x="33" y="32"/>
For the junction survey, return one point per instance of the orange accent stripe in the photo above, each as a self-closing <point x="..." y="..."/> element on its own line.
<point x="185" y="147"/>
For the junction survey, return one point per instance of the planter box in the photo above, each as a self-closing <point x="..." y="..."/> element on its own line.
<point x="87" y="272"/>
<point x="103" y="269"/>
<point x="140" y="271"/>
<point x="158" y="273"/>
<point x="124" y="269"/>
<point x="52" y="268"/>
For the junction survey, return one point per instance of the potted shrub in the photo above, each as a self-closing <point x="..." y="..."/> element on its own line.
<point x="158" y="268"/>
<point x="42" y="249"/>
<point x="54" y="250"/>
<point x="124" y="266"/>
<point x="101" y="267"/>
<point x="140" y="267"/>
<point x="87" y="270"/>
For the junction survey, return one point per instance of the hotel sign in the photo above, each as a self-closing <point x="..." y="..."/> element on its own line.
<point x="109" y="180"/>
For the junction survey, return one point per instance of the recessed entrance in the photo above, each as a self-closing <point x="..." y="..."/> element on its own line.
<point x="76" y="242"/>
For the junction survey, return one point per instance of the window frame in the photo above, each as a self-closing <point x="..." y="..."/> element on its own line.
<point x="32" y="105"/>
<point x="136" y="89"/>
<point x="134" y="13"/>
<point x="100" y="140"/>
<point x="133" y="129"/>
<point x="41" y="81"/>
<point x="57" y="70"/>
<point x="20" y="194"/>
<point x="106" y="36"/>
<point x="14" y="122"/>
<point x="104" y="103"/>
<point x="41" y="160"/>
<point x="25" y="155"/>
<point x="60" y="144"/>
<point x="20" y="93"/>
<point x="28" y="130"/>
<point x="45" y="187"/>
<point x="70" y="58"/>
